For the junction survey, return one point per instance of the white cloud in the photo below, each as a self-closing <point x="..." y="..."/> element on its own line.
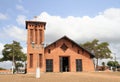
<point x="21" y="8"/>
<point x="15" y="33"/>
<point x="3" y="16"/>
<point x="113" y="14"/>
<point x="21" y="19"/>
<point x="103" y="26"/>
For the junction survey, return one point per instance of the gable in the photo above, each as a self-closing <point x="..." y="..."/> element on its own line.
<point x="65" y="43"/>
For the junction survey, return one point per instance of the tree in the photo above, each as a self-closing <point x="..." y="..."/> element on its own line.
<point x="100" y="50"/>
<point x="116" y="63"/>
<point x="2" y="68"/>
<point x="110" y="63"/>
<point x="103" y="66"/>
<point x="113" y="64"/>
<point x="18" y="64"/>
<point x="13" y="52"/>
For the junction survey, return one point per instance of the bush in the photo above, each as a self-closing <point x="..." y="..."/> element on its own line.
<point x="2" y="69"/>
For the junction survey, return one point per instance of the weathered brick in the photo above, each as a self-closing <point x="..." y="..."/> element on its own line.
<point x="54" y="51"/>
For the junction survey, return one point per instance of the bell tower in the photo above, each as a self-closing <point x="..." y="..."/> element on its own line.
<point x="35" y="45"/>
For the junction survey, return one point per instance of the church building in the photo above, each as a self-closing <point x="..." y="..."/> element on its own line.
<point x="63" y="55"/>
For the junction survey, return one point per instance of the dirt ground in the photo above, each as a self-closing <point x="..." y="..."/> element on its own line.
<point x="63" y="77"/>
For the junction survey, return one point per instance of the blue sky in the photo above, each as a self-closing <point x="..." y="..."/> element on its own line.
<point x="81" y="20"/>
<point x="57" y="7"/>
<point x="61" y="8"/>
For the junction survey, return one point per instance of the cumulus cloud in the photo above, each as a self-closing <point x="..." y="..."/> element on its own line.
<point x="103" y="26"/>
<point x="14" y="33"/>
<point x="3" y="16"/>
<point x="21" y="19"/>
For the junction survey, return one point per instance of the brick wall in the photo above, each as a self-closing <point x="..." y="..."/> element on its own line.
<point x="54" y="51"/>
<point x="72" y="53"/>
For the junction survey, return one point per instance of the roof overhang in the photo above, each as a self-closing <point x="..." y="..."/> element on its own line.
<point x="35" y="22"/>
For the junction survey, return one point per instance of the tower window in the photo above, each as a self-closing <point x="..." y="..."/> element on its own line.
<point x="40" y="60"/>
<point x="41" y="25"/>
<point x="49" y="51"/>
<point x="31" y="35"/>
<point x="36" y="36"/>
<point x="40" y="35"/>
<point x="35" y="25"/>
<point x="31" y="60"/>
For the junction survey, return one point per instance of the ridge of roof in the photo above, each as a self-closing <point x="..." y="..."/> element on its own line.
<point x="91" y="54"/>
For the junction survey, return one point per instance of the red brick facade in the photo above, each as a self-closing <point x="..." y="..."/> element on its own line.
<point x="60" y="56"/>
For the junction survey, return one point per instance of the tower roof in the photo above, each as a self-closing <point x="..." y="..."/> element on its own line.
<point x="35" y="22"/>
